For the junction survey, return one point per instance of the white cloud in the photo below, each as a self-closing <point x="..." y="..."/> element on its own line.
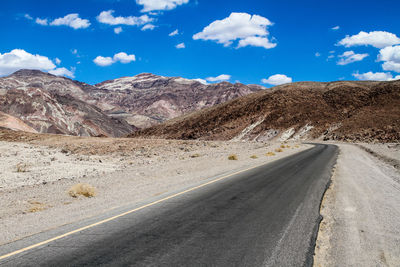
<point x="374" y="76"/>
<point x="378" y="39"/>
<point x="158" y="5"/>
<point x="71" y="20"/>
<point x="277" y="79"/>
<point x="350" y="57"/>
<point x="222" y="77"/>
<point x="148" y="27"/>
<point x="176" y="32"/>
<point x="180" y="46"/>
<point x="121" y="57"/>
<point x="118" y="30"/>
<point x="63" y="72"/>
<point x="20" y="59"/>
<point x="201" y="81"/>
<point x="124" y="57"/>
<point x="248" y="29"/>
<point x="335" y="28"/>
<point x="107" y="17"/>
<point x="391" y="57"/>
<point x="256" y="41"/>
<point x="390" y="65"/>
<point x="317" y="54"/>
<point x="103" y="61"/>
<point x="57" y="60"/>
<point x="27" y="16"/>
<point x="42" y="22"/>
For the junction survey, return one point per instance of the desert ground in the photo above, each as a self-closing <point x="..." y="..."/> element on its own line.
<point x="38" y="171"/>
<point x="360" y="208"/>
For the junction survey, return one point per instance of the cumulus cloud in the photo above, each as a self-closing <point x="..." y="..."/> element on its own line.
<point x="220" y="78"/>
<point x="118" y="30"/>
<point x="277" y="79"/>
<point x="63" y="72"/>
<point x="42" y="22"/>
<point x="335" y="28"/>
<point x="57" y="60"/>
<point x="378" y="39"/>
<point x="148" y="27"/>
<point x="375" y="76"/>
<point x="317" y="54"/>
<point x="350" y="57"/>
<point x="176" y="32"/>
<point x="248" y="29"/>
<point x="119" y="57"/>
<point x="71" y="20"/>
<point x="159" y="5"/>
<point x="180" y="46"/>
<point x="201" y="81"/>
<point x="27" y="16"/>
<point x="20" y="59"/>
<point x="107" y="17"/>
<point x="124" y="57"/>
<point x="391" y="57"/>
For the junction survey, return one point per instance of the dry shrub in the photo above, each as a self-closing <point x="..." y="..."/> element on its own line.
<point x="253" y="157"/>
<point x="297" y="146"/>
<point x="233" y="157"/>
<point x="195" y="155"/>
<point x="82" y="189"/>
<point x="270" y="154"/>
<point x="282" y="146"/>
<point x="22" y="167"/>
<point x="287" y="146"/>
<point x="278" y="150"/>
<point x="36" y="206"/>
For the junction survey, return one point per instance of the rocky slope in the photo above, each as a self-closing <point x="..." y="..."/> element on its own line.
<point x="147" y="99"/>
<point x="352" y="111"/>
<point x="52" y="104"/>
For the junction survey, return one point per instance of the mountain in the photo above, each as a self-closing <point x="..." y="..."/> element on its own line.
<point x="345" y="110"/>
<point x="147" y="99"/>
<point x="52" y="104"/>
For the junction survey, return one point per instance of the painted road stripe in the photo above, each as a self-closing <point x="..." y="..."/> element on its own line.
<point x="122" y="214"/>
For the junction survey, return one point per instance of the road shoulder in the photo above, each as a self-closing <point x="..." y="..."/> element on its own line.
<point x="361" y="213"/>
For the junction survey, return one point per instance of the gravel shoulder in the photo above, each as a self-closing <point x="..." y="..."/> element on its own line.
<point x="38" y="170"/>
<point x="361" y="212"/>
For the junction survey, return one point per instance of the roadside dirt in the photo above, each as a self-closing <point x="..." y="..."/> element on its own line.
<point x="38" y="170"/>
<point x="361" y="213"/>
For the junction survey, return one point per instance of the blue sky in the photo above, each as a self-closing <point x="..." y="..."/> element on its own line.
<point x="289" y="40"/>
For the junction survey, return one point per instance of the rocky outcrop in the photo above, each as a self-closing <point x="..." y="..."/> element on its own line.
<point x="345" y="110"/>
<point x="147" y="99"/>
<point x="52" y="104"/>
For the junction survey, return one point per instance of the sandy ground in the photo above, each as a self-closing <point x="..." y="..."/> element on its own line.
<point x="37" y="172"/>
<point x="361" y="211"/>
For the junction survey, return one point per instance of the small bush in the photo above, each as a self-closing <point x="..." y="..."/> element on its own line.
<point x="269" y="154"/>
<point x="36" y="206"/>
<point x="233" y="157"/>
<point x="282" y="146"/>
<point x="195" y="155"/>
<point x="253" y="157"/>
<point x="22" y="167"/>
<point x="85" y="190"/>
<point x="297" y="146"/>
<point x="287" y="146"/>
<point x="278" y="150"/>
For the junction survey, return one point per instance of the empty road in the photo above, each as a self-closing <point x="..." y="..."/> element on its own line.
<point x="266" y="216"/>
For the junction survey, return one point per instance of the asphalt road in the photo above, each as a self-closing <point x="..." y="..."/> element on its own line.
<point x="267" y="216"/>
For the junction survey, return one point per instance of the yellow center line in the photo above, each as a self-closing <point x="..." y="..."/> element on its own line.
<point x="123" y="214"/>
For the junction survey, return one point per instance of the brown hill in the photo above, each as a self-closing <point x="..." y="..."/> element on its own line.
<point x="52" y="104"/>
<point x="147" y="99"/>
<point x="346" y="110"/>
